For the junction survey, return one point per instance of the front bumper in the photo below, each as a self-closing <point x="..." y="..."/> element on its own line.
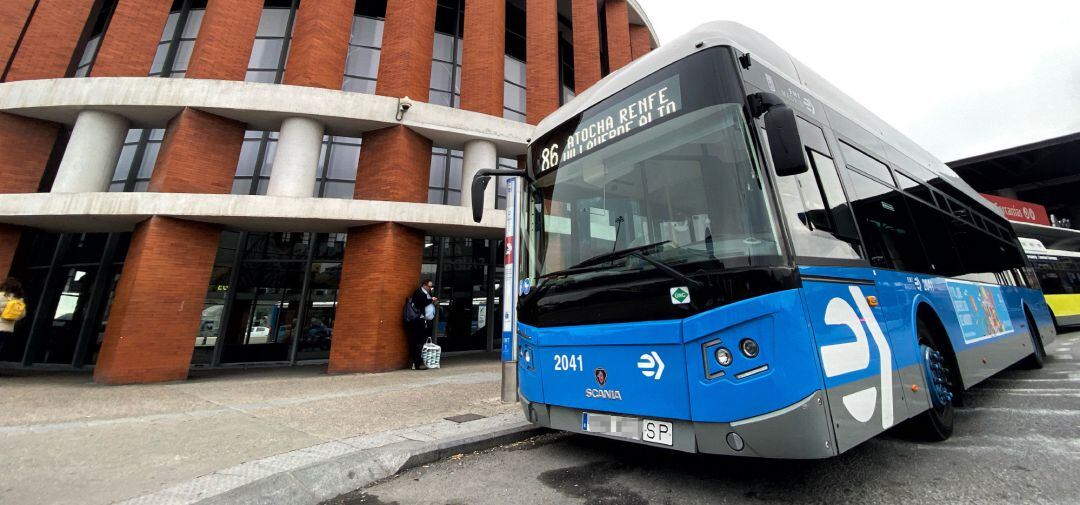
<point x="799" y="431"/>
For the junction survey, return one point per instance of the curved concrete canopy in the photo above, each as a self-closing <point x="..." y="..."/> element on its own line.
<point x="116" y="212"/>
<point x="150" y="102"/>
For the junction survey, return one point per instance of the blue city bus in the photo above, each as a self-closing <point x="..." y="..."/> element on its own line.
<point x="719" y="252"/>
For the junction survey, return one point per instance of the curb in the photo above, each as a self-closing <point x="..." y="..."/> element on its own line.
<point x="319" y="473"/>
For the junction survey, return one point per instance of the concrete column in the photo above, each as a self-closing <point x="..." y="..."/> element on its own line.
<point x="297" y="158"/>
<point x="478" y="154"/>
<point x="92" y="153"/>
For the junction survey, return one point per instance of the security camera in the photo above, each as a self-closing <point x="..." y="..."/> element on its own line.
<point x="404" y="104"/>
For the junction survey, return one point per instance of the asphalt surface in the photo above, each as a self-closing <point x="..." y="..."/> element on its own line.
<point x="1017" y="440"/>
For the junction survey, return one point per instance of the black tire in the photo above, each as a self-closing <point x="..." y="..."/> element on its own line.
<point x="936" y="424"/>
<point x="1037" y="358"/>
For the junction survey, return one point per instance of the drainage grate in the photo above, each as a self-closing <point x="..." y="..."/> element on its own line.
<point x="464" y="418"/>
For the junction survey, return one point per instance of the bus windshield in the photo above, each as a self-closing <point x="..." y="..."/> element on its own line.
<point x="687" y="194"/>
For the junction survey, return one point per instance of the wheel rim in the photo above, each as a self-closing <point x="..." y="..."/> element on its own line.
<point x="938" y="385"/>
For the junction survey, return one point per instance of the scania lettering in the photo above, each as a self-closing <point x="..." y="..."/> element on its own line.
<point x="725" y="254"/>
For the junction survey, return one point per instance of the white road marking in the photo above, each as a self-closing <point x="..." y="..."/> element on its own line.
<point x="1072" y="378"/>
<point x="1011" y="410"/>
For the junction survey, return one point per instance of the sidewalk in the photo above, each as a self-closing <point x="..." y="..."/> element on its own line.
<point x="64" y="439"/>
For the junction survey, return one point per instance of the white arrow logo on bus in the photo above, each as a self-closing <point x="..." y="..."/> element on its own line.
<point x="651" y="365"/>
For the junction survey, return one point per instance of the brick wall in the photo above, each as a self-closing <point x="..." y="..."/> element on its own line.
<point x="617" y="22"/>
<point x="158" y="305"/>
<point x="408" y="39"/>
<point x="9" y="241"/>
<point x="156" y="312"/>
<point x="49" y="45"/>
<point x="223" y="47"/>
<point x="542" y="53"/>
<point x="131" y="39"/>
<point x="320" y="43"/>
<point x="25" y="147"/>
<point x="381" y="268"/>
<point x="394" y="165"/>
<point x="13" y="16"/>
<point x="640" y="40"/>
<point x="482" y="58"/>
<point x="198" y="155"/>
<point x="585" y="18"/>
<point x="382" y="262"/>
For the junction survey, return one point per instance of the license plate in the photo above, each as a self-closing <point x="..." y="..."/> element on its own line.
<point x="657" y="432"/>
<point x="648" y="430"/>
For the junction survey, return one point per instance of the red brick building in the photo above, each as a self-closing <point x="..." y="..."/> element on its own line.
<point x="215" y="182"/>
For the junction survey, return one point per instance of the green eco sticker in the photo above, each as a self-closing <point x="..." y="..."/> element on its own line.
<point x="680" y="295"/>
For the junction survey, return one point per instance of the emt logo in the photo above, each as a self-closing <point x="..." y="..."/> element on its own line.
<point x="840" y="359"/>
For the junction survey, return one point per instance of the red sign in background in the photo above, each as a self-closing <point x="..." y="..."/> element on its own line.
<point x="1021" y="212"/>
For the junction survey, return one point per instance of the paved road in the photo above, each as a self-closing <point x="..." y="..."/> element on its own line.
<point x="1016" y="441"/>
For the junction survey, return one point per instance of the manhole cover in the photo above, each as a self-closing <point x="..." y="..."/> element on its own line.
<point x="464" y="418"/>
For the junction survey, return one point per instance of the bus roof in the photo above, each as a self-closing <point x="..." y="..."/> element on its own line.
<point x="766" y="52"/>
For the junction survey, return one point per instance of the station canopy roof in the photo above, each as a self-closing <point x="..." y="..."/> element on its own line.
<point x="1045" y="172"/>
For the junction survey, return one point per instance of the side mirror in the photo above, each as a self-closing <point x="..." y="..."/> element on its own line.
<point x="780" y="124"/>
<point x="479" y="185"/>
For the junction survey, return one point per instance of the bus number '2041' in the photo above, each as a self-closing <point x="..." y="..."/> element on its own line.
<point x="571" y="362"/>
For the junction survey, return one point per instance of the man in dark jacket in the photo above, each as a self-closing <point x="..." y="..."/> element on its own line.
<point x="419" y="330"/>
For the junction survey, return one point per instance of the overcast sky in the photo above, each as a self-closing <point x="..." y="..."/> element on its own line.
<point x="961" y="78"/>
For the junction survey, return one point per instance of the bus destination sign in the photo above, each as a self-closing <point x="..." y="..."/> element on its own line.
<point x="656" y="102"/>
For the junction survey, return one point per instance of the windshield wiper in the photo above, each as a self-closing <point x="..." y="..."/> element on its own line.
<point x="664" y="267"/>
<point x="592" y="263"/>
<point x="614" y="255"/>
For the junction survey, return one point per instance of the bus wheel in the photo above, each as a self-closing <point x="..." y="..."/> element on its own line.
<point x="936" y="423"/>
<point x="1038" y="352"/>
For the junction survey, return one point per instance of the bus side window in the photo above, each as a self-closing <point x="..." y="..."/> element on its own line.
<point x="882" y="215"/>
<point x="934" y="231"/>
<point x="808" y="204"/>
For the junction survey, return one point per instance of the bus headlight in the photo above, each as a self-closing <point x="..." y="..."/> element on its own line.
<point x="723" y="356"/>
<point x="749" y="348"/>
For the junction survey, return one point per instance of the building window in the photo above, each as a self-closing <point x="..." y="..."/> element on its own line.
<point x="444" y="182"/>
<point x="566" y="60"/>
<point x="90" y="49"/>
<point x="255" y="164"/>
<point x="514" y="64"/>
<point x="500" y="188"/>
<point x="271" y="46"/>
<point x="137" y="159"/>
<point x="178" y="39"/>
<point x="337" y="167"/>
<point x="272" y="297"/>
<point x="445" y="88"/>
<point x="514" y="89"/>
<point x="362" y="63"/>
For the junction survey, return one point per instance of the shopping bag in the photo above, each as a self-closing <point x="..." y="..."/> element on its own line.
<point x="431" y="353"/>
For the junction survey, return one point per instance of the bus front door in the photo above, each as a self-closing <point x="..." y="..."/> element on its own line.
<point x="856" y="356"/>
